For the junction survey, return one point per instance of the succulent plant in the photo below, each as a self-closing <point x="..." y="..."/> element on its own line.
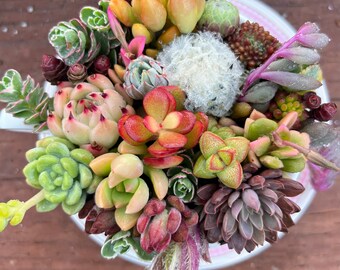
<point x="185" y="13"/>
<point x="77" y="73"/>
<point x="102" y="64"/>
<point x="123" y="11"/>
<point x="62" y="175"/>
<point x="221" y="158"/>
<point x="212" y="89"/>
<point x="219" y="16"/>
<point x="182" y="181"/>
<point x="53" y="69"/>
<point x="25" y="99"/>
<point x="124" y="190"/>
<point x="325" y="112"/>
<point x="142" y="75"/>
<point x="98" y="220"/>
<point x="301" y="49"/>
<point x="253" y="213"/>
<point x="271" y="155"/>
<point x="94" y="19"/>
<point x="151" y="13"/>
<point x="311" y="100"/>
<point x="252" y="44"/>
<point x="87" y="114"/>
<point x="159" y="224"/>
<point x="171" y="130"/>
<point x="122" y="242"/>
<point x="74" y="42"/>
<point x="285" y="102"/>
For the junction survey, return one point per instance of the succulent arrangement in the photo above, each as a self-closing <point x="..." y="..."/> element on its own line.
<point x="174" y="125"/>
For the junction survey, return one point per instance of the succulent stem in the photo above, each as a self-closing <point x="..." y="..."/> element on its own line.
<point x="33" y="201"/>
<point x="311" y="155"/>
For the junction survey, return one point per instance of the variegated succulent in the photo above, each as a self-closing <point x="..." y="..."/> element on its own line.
<point x="25" y="99"/>
<point x="221" y="158"/>
<point x="87" y="114"/>
<point x="166" y="123"/>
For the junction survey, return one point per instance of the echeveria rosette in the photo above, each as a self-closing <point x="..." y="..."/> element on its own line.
<point x="122" y="242"/>
<point x="142" y="75"/>
<point x="221" y="158"/>
<point x="74" y="42"/>
<point x="182" y="181"/>
<point x="87" y="114"/>
<point x="61" y="173"/>
<point x="300" y="49"/>
<point x="255" y="212"/>
<point x="53" y="69"/>
<point x="171" y="128"/>
<point x="25" y="99"/>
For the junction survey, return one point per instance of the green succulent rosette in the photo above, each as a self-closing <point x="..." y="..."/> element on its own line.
<point x="121" y="243"/>
<point x="182" y="181"/>
<point x="74" y="42"/>
<point x="62" y="173"/>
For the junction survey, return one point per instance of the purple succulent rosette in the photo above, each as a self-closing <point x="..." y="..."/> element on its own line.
<point x="167" y="139"/>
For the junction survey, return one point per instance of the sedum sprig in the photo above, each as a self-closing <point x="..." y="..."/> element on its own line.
<point x="25" y="99"/>
<point x="300" y="49"/>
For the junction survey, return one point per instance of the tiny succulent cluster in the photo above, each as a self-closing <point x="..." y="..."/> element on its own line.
<point x="174" y="126"/>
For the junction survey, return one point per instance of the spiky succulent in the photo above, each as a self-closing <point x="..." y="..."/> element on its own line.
<point x="252" y="44"/>
<point x="25" y="99"/>
<point x="253" y="213"/>
<point x="87" y="114"/>
<point x="142" y="75"/>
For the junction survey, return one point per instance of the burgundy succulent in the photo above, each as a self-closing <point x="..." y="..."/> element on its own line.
<point x="77" y="73"/>
<point x="101" y="64"/>
<point x="98" y="220"/>
<point x="161" y="222"/>
<point x="325" y="112"/>
<point x="53" y="69"/>
<point x="312" y="100"/>
<point x="252" y="214"/>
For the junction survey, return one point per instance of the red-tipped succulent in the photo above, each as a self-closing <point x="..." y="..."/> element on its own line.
<point x="170" y="129"/>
